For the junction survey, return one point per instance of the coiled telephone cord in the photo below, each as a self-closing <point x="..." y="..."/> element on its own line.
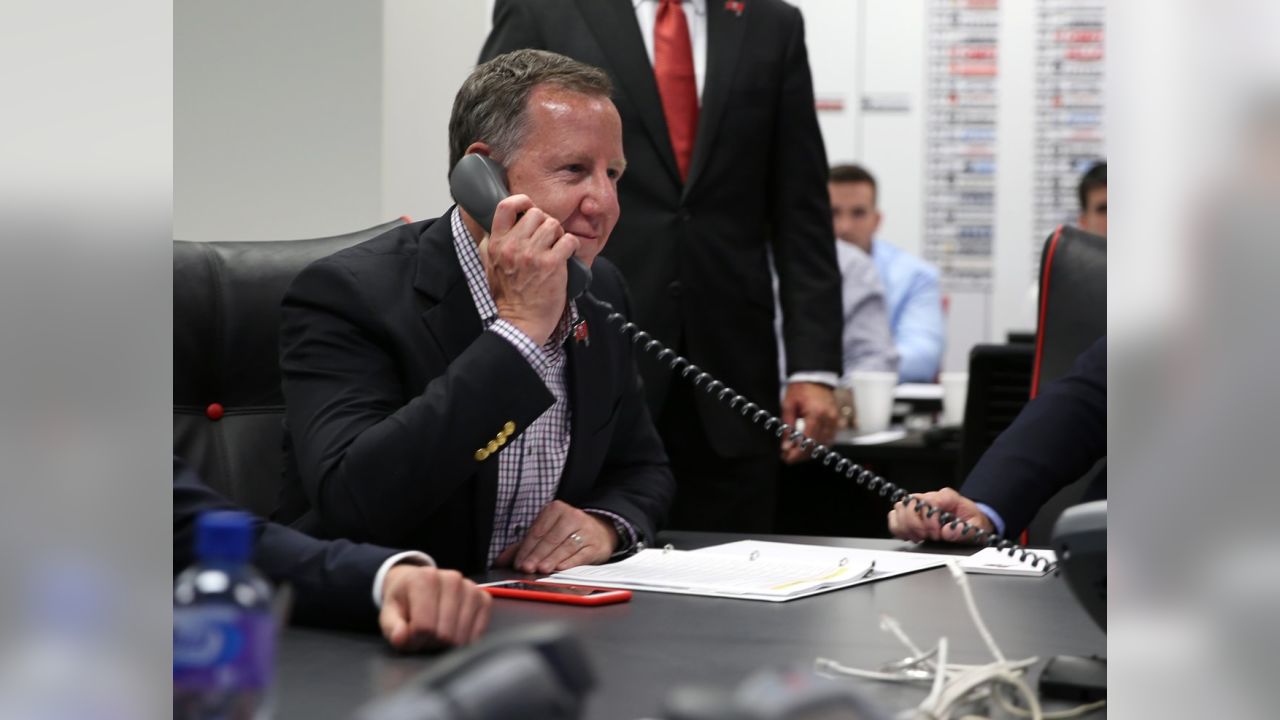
<point x="703" y="380"/>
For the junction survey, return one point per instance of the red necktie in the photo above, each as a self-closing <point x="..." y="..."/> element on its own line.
<point x="678" y="86"/>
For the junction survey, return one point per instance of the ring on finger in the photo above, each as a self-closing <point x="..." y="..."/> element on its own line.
<point x="576" y="538"/>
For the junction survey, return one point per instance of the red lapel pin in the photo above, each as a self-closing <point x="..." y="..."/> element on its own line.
<point x="736" y="6"/>
<point x="580" y="333"/>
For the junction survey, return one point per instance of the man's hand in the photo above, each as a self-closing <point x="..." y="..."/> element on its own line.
<point x="910" y="523"/>
<point x="816" y="405"/>
<point x="524" y="259"/>
<point x="561" y="537"/>
<point x="426" y="607"/>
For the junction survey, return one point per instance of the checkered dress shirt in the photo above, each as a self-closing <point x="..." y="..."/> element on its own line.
<point x="529" y="470"/>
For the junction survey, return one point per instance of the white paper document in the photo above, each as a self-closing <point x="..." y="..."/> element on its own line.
<point x="750" y="569"/>
<point x="993" y="561"/>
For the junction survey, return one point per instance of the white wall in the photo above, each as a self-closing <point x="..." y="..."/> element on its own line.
<point x="427" y="53"/>
<point x="1011" y="306"/>
<point x="303" y="118"/>
<point x="830" y="33"/>
<point x="876" y="47"/>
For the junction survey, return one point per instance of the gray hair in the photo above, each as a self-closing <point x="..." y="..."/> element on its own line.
<point x="491" y="106"/>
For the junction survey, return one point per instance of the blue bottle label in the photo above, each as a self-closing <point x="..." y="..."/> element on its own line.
<point x="222" y="648"/>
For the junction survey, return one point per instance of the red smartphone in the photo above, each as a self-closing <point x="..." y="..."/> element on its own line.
<point x="553" y="592"/>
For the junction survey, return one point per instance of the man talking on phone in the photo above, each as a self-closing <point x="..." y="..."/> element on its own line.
<point x="443" y="392"/>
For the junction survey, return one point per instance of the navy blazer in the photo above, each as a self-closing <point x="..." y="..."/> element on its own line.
<point x="695" y="253"/>
<point x="332" y="581"/>
<point x="391" y="388"/>
<point x="1057" y="438"/>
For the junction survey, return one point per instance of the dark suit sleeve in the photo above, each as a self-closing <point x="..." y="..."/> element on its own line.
<point x="803" y="240"/>
<point x="332" y="580"/>
<point x="1053" y="442"/>
<point x="513" y="29"/>
<point x="636" y="481"/>
<point x="375" y="456"/>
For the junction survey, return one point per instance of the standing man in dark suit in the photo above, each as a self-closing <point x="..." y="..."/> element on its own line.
<point x="345" y="584"/>
<point x="442" y="393"/>
<point x="726" y="168"/>
<point x="1057" y="438"/>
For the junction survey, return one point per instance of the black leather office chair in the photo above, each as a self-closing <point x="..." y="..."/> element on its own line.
<point x="1073" y="301"/>
<point x="1073" y="315"/>
<point x="228" y="409"/>
<point x="1020" y="337"/>
<point x="999" y="387"/>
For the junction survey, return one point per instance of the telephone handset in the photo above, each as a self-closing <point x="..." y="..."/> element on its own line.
<point x="477" y="184"/>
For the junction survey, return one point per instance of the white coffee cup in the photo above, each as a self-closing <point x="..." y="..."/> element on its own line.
<point x="955" y="390"/>
<point x="873" y="399"/>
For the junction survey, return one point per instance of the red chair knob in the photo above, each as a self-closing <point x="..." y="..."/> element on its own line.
<point x="214" y="411"/>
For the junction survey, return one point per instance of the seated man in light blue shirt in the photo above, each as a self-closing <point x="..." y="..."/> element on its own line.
<point x="910" y="284"/>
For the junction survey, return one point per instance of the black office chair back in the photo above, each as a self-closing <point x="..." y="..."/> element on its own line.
<point x="1073" y="315"/>
<point x="999" y="387"/>
<point x="228" y="409"/>
<point x="1073" y="301"/>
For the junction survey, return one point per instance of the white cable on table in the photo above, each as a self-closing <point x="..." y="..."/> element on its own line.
<point x="955" y="686"/>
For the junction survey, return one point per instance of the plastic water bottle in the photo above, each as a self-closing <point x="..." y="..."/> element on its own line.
<point x="223" y="631"/>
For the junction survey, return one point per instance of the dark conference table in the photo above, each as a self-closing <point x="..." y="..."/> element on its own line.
<point x="644" y="648"/>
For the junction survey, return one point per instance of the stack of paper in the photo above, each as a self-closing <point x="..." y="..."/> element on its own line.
<point x="994" y="561"/>
<point x="750" y="569"/>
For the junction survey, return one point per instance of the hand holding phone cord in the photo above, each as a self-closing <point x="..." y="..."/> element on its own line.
<point x="842" y="465"/>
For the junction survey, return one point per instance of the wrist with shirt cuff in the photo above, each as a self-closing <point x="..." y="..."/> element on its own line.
<point x="993" y="516"/>
<point x="628" y="539"/>
<point x="528" y="349"/>
<point x="818" y="377"/>
<point x="410" y="557"/>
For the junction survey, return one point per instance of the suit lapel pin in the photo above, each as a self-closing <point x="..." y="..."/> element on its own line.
<point x="736" y="6"/>
<point x="580" y="334"/>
